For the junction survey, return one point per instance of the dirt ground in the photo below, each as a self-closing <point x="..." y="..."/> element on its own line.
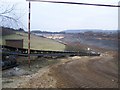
<point x="94" y="72"/>
<point x="70" y="72"/>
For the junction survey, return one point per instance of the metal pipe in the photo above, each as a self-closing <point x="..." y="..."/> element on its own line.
<point x="77" y="3"/>
<point x="29" y="35"/>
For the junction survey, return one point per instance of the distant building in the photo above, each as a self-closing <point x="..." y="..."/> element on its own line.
<point x="55" y="36"/>
<point x="52" y="36"/>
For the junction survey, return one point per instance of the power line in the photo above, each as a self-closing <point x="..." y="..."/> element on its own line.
<point x="77" y="3"/>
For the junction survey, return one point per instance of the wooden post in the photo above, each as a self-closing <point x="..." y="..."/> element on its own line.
<point x="29" y="35"/>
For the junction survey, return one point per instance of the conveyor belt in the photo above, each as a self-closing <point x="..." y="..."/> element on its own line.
<point x="12" y="52"/>
<point x="24" y="52"/>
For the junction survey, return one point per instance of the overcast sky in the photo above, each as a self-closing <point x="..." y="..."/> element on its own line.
<point x="59" y="17"/>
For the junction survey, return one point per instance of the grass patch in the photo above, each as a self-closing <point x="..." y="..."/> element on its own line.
<point x="37" y="42"/>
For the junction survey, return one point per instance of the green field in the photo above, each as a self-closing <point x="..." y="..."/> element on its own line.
<point x="37" y="42"/>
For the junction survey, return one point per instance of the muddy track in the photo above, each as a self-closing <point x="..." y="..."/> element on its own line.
<point x="87" y="72"/>
<point x="75" y="72"/>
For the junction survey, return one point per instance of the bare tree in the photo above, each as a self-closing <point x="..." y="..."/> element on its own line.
<point x="8" y="16"/>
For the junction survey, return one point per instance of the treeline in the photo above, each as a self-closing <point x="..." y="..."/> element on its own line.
<point x="47" y="32"/>
<point x="7" y="31"/>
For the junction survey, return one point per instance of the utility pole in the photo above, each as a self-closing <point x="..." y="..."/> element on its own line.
<point x="29" y="34"/>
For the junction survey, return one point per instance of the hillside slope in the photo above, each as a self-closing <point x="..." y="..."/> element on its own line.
<point x="37" y="42"/>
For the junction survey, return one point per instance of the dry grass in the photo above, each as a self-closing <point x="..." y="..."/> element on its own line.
<point x="37" y="42"/>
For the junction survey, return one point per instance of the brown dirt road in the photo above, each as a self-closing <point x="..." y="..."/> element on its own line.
<point x="78" y="72"/>
<point x="87" y="72"/>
